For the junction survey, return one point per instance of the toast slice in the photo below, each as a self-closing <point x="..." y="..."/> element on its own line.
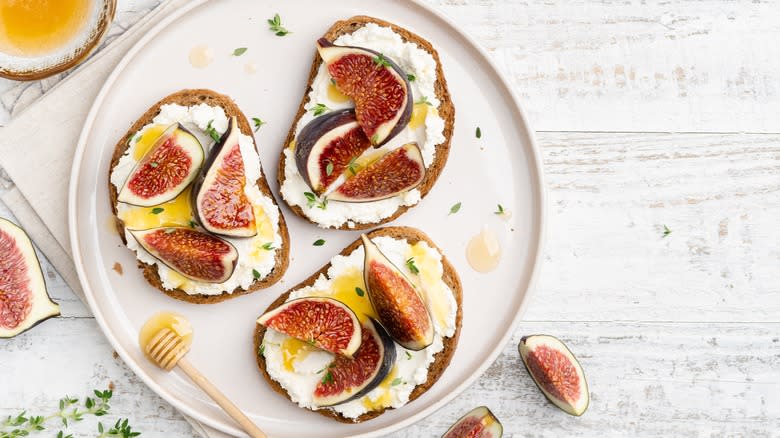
<point x="191" y="98"/>
<point x="441" y="359"/>
<point x="446" y="111"/>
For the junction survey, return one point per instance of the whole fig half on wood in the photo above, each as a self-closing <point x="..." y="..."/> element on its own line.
<point x="194" y="254"/>
<point x="324" y="322"/>
<point x="479" y="423"/>
<point x="395" y="173"/>
<point x="325" y="147"/>
<point x="24" y="300"/>
<point x="379" y="87"/>
<point x="221" y="204"/>
<point x="556" y="372"/>
<point x="169" y="166"/>
<point x="400" y="307"/>
<point x="347" y="379"/>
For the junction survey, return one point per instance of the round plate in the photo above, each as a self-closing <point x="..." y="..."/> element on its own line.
<point x="503" y="167"/>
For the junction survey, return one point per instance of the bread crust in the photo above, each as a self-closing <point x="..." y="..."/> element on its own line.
<point x="446" y="111"/>
<point x="190" y="98"/>
<point x="441" y="359"/>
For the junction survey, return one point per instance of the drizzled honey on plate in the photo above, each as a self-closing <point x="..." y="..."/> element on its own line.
<point x="32" y="28"/>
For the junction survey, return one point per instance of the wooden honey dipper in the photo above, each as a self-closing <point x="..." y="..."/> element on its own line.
<point x="165" y="339"/>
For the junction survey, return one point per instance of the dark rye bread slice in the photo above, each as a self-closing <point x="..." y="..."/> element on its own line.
<point x="446" y="110"/>
<point x="441" y="359"/>
<point x="191" y="98"/>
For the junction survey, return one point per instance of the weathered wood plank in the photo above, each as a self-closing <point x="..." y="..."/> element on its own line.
<point x="653" y="379"/>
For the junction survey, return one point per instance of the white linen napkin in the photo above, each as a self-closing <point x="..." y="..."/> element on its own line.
<point x="37" y="147"/>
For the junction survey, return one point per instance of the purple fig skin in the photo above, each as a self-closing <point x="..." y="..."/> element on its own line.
<point x="388" y="360"/>
<point x="406" y="116"/>
<point x="312" y="132"/>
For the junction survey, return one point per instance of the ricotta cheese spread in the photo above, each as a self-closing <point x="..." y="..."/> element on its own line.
<point x="255" y="259"/>
<point x="426" y="128"/>
<point x="298" y="366"/>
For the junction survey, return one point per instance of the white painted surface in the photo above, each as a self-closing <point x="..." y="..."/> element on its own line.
<point x="679" y="336"/>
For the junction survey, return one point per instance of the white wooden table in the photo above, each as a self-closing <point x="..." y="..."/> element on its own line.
<point x="647" y="115"/>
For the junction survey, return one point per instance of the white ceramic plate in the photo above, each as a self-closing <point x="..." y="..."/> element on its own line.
<point x="501" y="167"/>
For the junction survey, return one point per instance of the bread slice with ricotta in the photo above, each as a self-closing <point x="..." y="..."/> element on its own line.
<point x="441" y="359"/>
<point x="191" y="98"/>
<point x="445" y="110"/>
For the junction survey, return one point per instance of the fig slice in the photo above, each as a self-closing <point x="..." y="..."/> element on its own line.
<point x="323" y="322"/>
<point x="347" y="379"/>
<point x="379" y="87"/>
<point x="556" y="372"/>
<point x="24" y="300"/>
<point x="326" y="146"/>
<point x="221" y="204"/>
<point x="194" y="254"/>
<point x="169" y="166"/>
<point x="395" y="173"/>
<point x="478" y="423"/>
<point x="399" y="306"/>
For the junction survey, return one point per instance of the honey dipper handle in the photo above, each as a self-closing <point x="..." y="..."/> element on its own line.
<point x="217" y="395"/>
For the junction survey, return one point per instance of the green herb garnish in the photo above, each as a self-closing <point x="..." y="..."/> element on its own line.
<point x="157" y="210"/>
<point x="412" y="267"/>
<point x="275" y="24"/>
<point x="193" y="224"/>
<point x="256" y="274"/>
<point x="667" y="231"/>
<point x="154" y="164"/>
<point x="408" y="355"/>
<point x="479" y="132"/>
<point x="410" y="77"/>
<point x="500" y="210"/>
<point x="268" y="246"/>
<point x="212" y="132"/>
<point x="360" y="292"/>
<point x="375" y="139"/>
<point x="352" y="166"/>
<point x="329" y="168"/>
<point x="262" y="349"/>
<point x="319" y="242"/>
<point x="258" y="123"/>
<point x="319" y="109"/>
<point x="455" y="208"/>
<point x="328" y="378"/>
<point x="381" y="61"/>
<point x="239" y="51"/>
<point x="311" y="201"/>
<point x="397" y="381"/>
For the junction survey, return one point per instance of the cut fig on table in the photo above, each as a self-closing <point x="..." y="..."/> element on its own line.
<point x="169" y="166"/>
<point x="556" y="372"/>
<point x="221" y="205"/>
<point x="326" y="146"/>
<point x="194" y="254"/>
<point x="378" y="86"/>
<point x="399" y="306"/>
<point x="347" y="379"/>
<point x="395" y="173"/>
<point x="24" y="300"/>
<point x="323" y="322"/>
<point x="479" y="423"/>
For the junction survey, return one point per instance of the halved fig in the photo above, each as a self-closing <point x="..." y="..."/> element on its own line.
<point x="399" y="306"/>
<point x="221" y="205"/>
<point x="194" y="254"/>
<point x="169" y="166"/>
<point x="397" y="172"/>
<point x="479" y="423"/>
<point x="556" y="372"/>
<point x="323" y="322"/>
<point x="379" y="87"/>
<point x="348" y="379"/>
<point x="326" y="146"/>
<point x="24" y="300"/>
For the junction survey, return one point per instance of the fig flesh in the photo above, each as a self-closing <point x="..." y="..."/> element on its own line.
<point x="323" y="322"/>
<point x="348" y="379"/>
<point x="221" y="204"/>
<point x="395" y="173"/>
<point x="479" y="423"/>
<point x="24" y="300"/>
<point x="169" y="166"/>
<point x="556" y="372"/>
<point x="326" y="146"/>
<point x="399" y="306"/>
<point x="194" y="254"/>
<point x="378" y="86"/>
